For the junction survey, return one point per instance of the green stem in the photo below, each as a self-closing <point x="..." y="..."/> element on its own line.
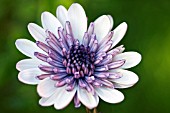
<point x="94" y="110"/>
<point x="87" y="110"/>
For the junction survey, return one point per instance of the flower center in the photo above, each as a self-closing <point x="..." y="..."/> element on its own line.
<point x="79" y="61"/>
<point x="72" y="64"/>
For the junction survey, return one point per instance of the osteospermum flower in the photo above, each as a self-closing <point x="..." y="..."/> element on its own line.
<point x="69" y="61"/>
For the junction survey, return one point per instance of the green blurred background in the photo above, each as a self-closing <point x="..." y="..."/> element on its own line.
<point x="148" y="33"/>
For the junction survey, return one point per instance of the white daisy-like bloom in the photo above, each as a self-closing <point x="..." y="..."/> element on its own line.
<point x="69" y="61"/>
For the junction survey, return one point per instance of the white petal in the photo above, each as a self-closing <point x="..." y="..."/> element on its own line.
<point x="29" y="76"/>
<point x="28" y="64"/>
<point x="37" y="32"/>
<point x="132" y="59"/>
<point x="50" y="22"/>
<point x="27" y="47"/>
<point x="46" y="87"/>
<point x="47" y="101"/>
<point x="128" y="77"/>
<point x="62" y="14"/>
<point x="109" y="95"/>
<point x="63" y="98"/>
<point x="102" y="27"/>
<point x="78" y="20"/>
<point x="111" y="21"/>
<point x="122" y="86"/>
<point x="89" y="100"/>
<point x="119" y="33"/>
<point x="50" y="100"/>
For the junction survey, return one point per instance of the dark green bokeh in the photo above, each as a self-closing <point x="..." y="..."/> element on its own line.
<point x="148" y="33"/>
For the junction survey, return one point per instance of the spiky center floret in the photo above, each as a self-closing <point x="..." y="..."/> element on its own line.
<point x="79" y="61"/>
<point x="85" y="65"/>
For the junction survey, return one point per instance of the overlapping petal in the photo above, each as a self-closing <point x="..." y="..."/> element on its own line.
<point x="88" y="99"/>
<point x="61" y="98"/>
<point x="27" y="47"/>
<point x="37" y="32"/>
<point x="77" y="18"/>
<point x="46" y="87"/>
<point x="50" y="22"/>
<point x="111" y="21"/>
<point x="122" y="86"/>
<point x="132" y="59"/>
<point x="64" y="98"/>
<point x="62" y="14"/>
<point x="110" y="95"/>
<point x="29" y="76"/>
<point x="128" y="77"/>
<point x="50" y="100"/>
<point x="119" y="33"/>
<point x="28" y="64"/>
<point x="102" y="27"/>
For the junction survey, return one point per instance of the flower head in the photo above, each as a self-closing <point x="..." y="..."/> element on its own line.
<point x="69" y="61"/>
